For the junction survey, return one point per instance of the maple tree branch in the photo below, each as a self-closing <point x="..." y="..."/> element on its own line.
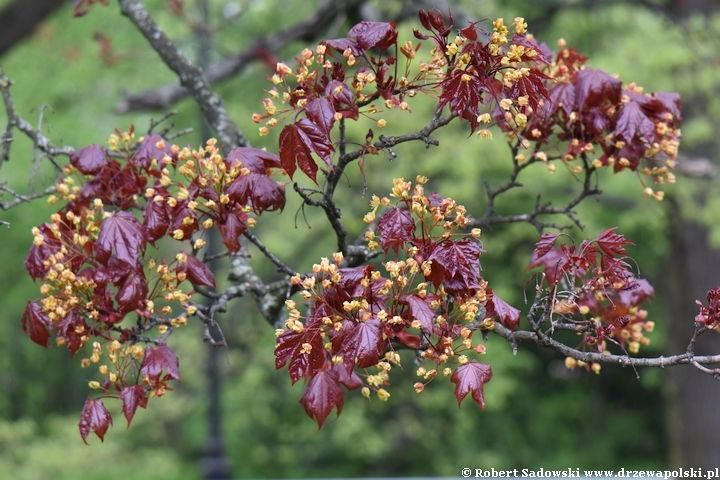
<point x="261" y="246"/>
<point x="19" y="198"/>
<point x="544" y="340"/>
<point x="191" y="76"/>
<point x="489" y="217"/>
<point x="40" y="141"/>
<point x="309" y="29"/>
<point x="332" y="212"/>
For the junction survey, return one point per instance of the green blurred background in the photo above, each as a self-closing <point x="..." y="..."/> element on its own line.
<point x="538" y="414"/>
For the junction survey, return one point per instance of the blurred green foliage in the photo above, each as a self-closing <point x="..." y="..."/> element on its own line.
<point x="538" y="414"/>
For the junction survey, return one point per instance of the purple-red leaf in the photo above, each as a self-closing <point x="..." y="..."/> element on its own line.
<point x="470" y="378"/>
<point x="396" y="227"/>
<point x="364" y="343"/>
<point x="342" y="44"/>
<point x="322" y="394"/>
<point x="547" y="241"/>
<point x="298" y="142"/>
<point x="156" y="220"/>
<point x="35" y="323"/>
<point x="420" y="309"/>
<point x="152" y="148"/>
<point x="462" y="91"/>
<point x="232" y="227"/>
<point x="94" y="417"/>
<point x="635" y="296"/>
<point x="554" y="262"/>
<point x="90" y="160"/>
<point x="133" y="397"/>
<point x="262" y="192"/>
<point x="197" y="272"/>
<point x="293" y="347"/>
<point x="506" y="313"/>
<point x="374" y="34"/>
<point x="350" y="379"/>
<point x="594" y="86"/>
<point x="633" y="120"/>
<point x="122" y="233"/>
<point x="456" y="264"/>
<point x="69" y="327"/>
<point x="159" y="358"/>
<point x="132" y="293"/>
<point x="254" y="159"/>
<point x="322" y="113"/>
<point x="612" y="243"/>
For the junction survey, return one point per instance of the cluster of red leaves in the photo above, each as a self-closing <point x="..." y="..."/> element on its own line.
<point x="587" y="108"/>
<point x="710" y="314"/>
<point x="593" y="288"/>
<point x="93" y="262"/>
<point x="481" y="76"/>
<point x="430" y="299"/>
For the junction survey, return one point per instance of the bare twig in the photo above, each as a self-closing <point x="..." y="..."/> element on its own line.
<point x="191" y="77"/>
<point x="309" y="29"/>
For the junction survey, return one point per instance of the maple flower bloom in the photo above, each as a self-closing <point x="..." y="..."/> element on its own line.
<point x="383" y="395"/>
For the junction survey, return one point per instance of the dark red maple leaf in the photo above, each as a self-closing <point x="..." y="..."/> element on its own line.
<point x="671" y="101"/>
<point x="374" y="34"/>
<point x="342" y="44"/>
<point x="562" y="95"/>
<point x="420" y="309"/>
<point x="463" y="91"/>
<point x="364" y="343"/>
<point x="159" y="358"/>
<point x="632" y="121"/>
<point x="89" y="160"/>
<point x="148" y="152"/>
<point x="612" y="243"/>
<point x="197" y="272"/>
<point x="290" y="347"/>
<point x="554" y="262"/>
<point x="322" y="113"/>
<point x="594" y="86"/>
<point x="254" y="159"/>
<point x="50" y="246"/>
<point x="635" y="296"/>
<point x="36" y="324"/>
<point x="262" y="192"/>
<point x="456" y="264"/>
<point x="546" y="242"/>
<point x="470" y="378"/>
<point x="156" y="220"/>
<point x="508" y="315"/>
<point x="123" y="233"/>
<point x="132" y="293"/>
<point x="350" y="379"/>
<point x="298" y="141"/>
<point x="69" y="327"/>
<point x="396" y="228"/>
<point x="231" y="227"/>
<point x="133" y="396"/>
<point x="322" y="394"/>
<point x="532" y="86"/>
<point x="343" y="99"/>
<point x="94" y="417"/>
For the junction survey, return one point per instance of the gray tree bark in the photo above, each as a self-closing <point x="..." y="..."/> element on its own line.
<point x="20" y="17"/>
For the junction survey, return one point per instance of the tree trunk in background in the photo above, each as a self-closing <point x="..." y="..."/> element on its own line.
<point x="19" y="18"/>
<point x="693" y="416"/>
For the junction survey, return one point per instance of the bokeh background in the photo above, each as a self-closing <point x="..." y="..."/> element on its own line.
<point x="71" y="73"/>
